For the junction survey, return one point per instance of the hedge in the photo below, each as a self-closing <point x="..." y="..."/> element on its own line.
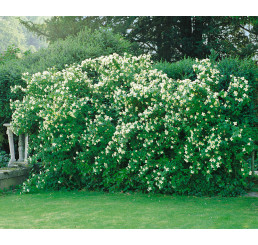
<point x="116" y="124"/>
<point x="246" y="68"/>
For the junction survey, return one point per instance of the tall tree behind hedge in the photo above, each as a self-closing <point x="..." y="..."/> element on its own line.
<point x="168" y="38"/>
<point x="174" y="37"/>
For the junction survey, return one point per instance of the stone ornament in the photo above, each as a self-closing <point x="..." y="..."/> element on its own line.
<point x="22" y="147"/>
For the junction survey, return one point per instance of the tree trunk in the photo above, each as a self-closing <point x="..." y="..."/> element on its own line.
<point x="185" y="26"/>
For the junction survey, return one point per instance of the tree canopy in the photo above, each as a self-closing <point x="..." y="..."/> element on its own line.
<point x="60" y="27"/>
<point x="13" y="33"/>
<point x="167" y="38"/>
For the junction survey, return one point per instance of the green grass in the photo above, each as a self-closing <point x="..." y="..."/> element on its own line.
<point x="98" y="210"/>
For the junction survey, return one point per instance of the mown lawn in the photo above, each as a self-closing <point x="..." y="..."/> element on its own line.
<point x="98" y="210"/>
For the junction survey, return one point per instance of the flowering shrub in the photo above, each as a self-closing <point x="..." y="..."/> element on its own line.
<point x="113" y="123"/>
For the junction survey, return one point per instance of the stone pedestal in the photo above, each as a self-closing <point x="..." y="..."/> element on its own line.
<point x="13" y="177"/>
<point x="22" y="147"/>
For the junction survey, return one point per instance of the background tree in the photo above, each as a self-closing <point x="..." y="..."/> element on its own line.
<point x="174" y="37"/>
<point x="60" y="27"/>
<point x="167" y="38"/>
<point x="13" y="33"/>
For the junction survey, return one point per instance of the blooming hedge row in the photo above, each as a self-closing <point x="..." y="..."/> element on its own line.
<point x="113" y="123"/>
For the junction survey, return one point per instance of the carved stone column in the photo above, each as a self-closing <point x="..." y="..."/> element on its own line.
<point x="21" y="144"/>
<point x="26" y="148"/>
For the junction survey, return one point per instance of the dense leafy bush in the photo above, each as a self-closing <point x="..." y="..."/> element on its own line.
<point x="10" y="54"/>
<point x="86" y="44"/>
<point x="246" y="68"/>
<point x="182" y="69"/>
<point x="4" y="159"/>
<point x="114" y="123"/>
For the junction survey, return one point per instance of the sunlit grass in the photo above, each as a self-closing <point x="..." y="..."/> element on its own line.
<point x="101" y="210"/>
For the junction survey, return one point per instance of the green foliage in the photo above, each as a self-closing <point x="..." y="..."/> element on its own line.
<point x="87" y="44"/>
<point x="60" y="27"/>
<point x="167" y="38"/>
<point x="4" y="159"/>
<point x="173" y="37"/>
<point x="10" y="54"/>
<point x="13" y="33"/>
<point x="178" y="70"/>
<point x="114" y="123"/>
<point x="246" y="68"/>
